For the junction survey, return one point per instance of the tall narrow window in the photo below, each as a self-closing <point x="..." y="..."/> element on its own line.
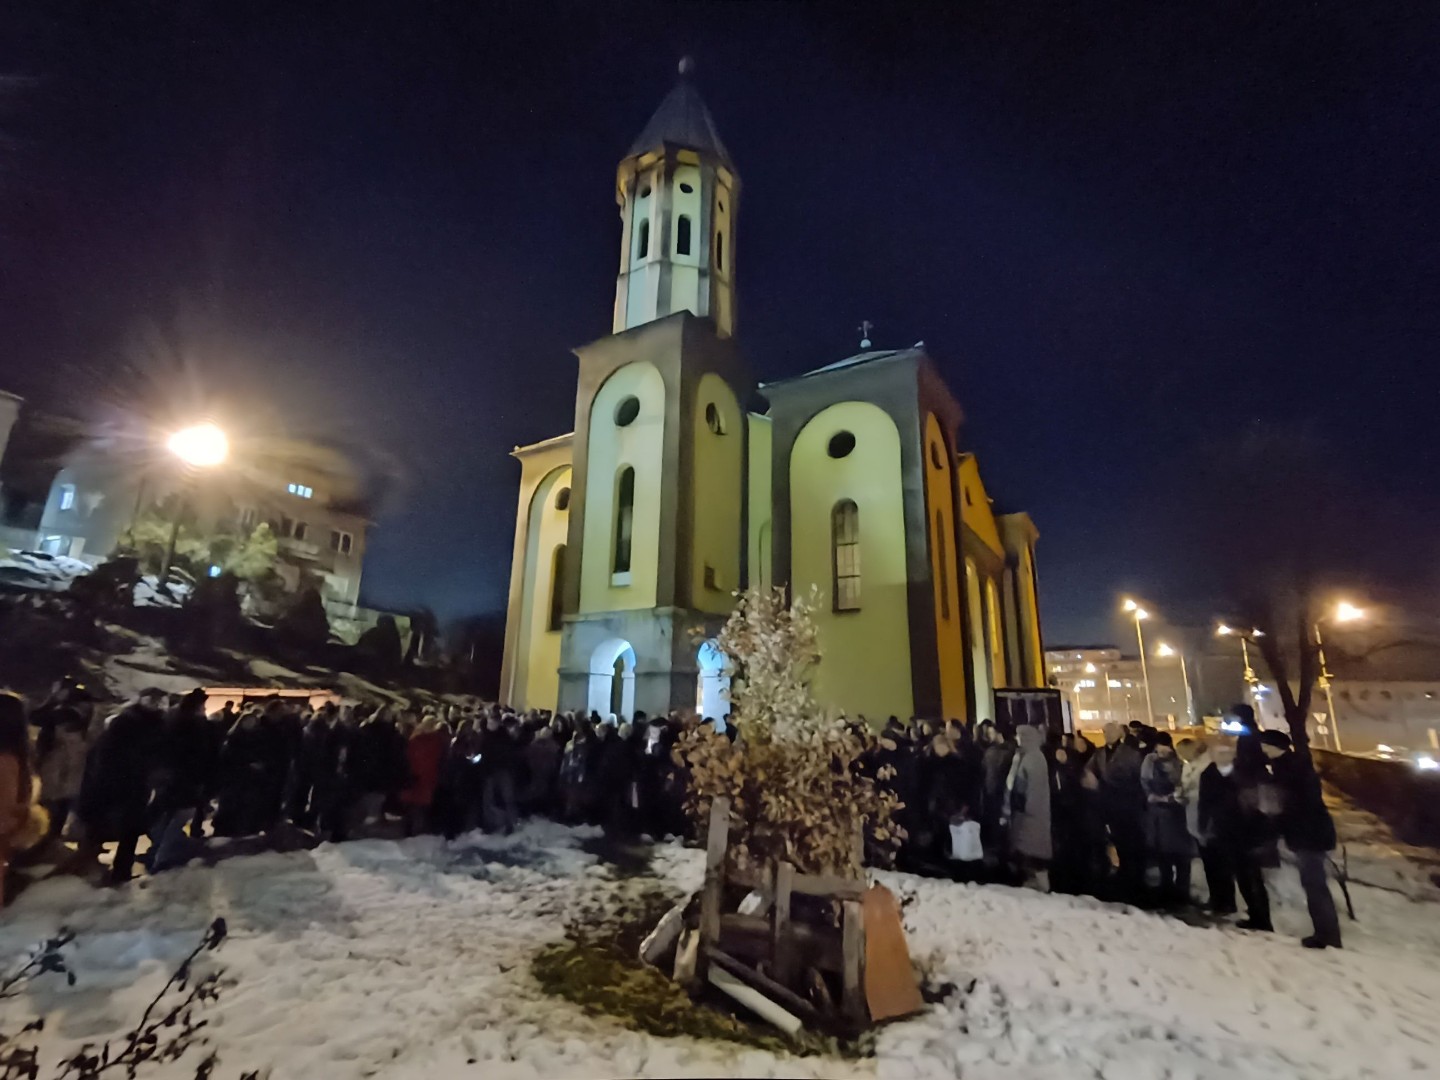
<point x="944" y="566"/>
<point x="624" y="518"/>
<point x="642" y="246"/>
<point x="720" y="251"/>
<point x="557" y="588"/>
<point x="845" y="545"/>
<point x="682" y="235"/>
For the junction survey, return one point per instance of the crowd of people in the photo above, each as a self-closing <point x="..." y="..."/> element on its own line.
<point x="1122" y="821"/>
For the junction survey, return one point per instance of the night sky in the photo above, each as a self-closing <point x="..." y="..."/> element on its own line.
<point x="1120" y="234"/>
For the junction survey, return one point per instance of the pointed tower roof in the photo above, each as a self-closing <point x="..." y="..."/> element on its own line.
<point x="683" y="120"/>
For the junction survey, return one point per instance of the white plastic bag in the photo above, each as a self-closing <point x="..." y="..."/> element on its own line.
<point x="965" y="843"/>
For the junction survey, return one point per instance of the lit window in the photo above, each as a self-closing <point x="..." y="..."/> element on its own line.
<point x="301" y="490"/>
<point x="341" y="541"/>
<point x="1089" y="714"/>
<point x="1085" y="684"/>
<point x="557" y="588"/>
<point x="67" y="496"/>
<point x="682" y="235"/>
<point x="624" y="519"/>
<point x="845" y="545"/>
<point x="1115" y="684"/>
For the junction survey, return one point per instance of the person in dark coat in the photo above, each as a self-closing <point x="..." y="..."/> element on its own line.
<point x="542" y="769"/>
<point x="1308" y="831"/>
<point x="575" y="776"/>
<point x="376" y="765"/>
<point x="1231" y="830"/>
<point x="1116" y="768"/>
<point x="1079" y="844"/>
<point x="499" y="764"/>
<point x="244" y="785"/>
<point x="460" y="785"/>
<point x="1167" y="837"/>
<point x="995" y="762"/>
<point x="186" y="766"/>
<point x="116" y="790"/>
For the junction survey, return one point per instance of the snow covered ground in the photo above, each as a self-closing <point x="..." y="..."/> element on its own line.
<point x="411" y="959"/>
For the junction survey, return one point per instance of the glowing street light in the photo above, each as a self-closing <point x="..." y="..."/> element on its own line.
<point x="1348" y="612"/>
<point x="1167" y="651"/>
<point x="202" y="445"/>
<point x="199" y="446"/>
<point x="1139" y="614"/>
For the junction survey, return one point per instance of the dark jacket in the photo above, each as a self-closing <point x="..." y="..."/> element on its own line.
<point x="1305" y="823"/>
<point x="116" y="787"/>
<point x="1227" y="817"/>
<point x="187" y="759"/>
<point x="376" y="760"/>
<point x="1166" y="834"/>
<point x="1117" y="768"/>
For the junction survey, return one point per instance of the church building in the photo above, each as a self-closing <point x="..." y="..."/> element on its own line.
<point x="684" y="481"/>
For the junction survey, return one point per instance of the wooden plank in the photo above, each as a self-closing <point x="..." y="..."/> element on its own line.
<point x="714" y="889"/>
<point x="852" y="937"/>
<point x="890" y="987"/>
<point x="765" y="985"/>
<point x="828" y="885"/>
<point x="782" y="940"/>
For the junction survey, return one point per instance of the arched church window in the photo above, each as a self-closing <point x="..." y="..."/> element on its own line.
<point x="682" y="235"/>
<point x="562" y="499"/>
<point x="557" y="587"/>
<point x="713" y="420"/>
<point x="624" y="518"/>
<point x="845" y="551"/>
<point x="719" y="250"/>
<point x="642" y="245"/>
<point x="687" y="189"/>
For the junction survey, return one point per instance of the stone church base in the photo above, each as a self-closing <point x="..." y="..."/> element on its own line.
<point x="649" y="660"/>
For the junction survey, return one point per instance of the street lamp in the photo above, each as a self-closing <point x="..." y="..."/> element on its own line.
<point x="199" y="446"/>
<point x="1139" y="614"/>
<point x="1250" y="679"/>
<point x="1345" y="612"/>
<point x="1165" y="650"/>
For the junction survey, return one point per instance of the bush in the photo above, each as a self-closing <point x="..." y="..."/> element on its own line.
<point x="303" y="625"/>
<point x="378" y="649"/>
<point x="793" y="777"/>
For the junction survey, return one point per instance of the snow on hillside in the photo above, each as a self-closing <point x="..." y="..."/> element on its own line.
<point x="411" y="959"/>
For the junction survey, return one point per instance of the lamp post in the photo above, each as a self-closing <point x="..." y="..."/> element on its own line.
<point x="1250" y="679"/>
<point x="1165" y="650"/>
<point x="199" y="446"/>
<point x="1344" y="612"/>
<point x="1140" y="615"/>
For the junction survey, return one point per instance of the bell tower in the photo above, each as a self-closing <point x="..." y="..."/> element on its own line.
<point x="677" y="189"/>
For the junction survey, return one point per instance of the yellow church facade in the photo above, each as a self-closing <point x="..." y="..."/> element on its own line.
<point x="685" y="481"/>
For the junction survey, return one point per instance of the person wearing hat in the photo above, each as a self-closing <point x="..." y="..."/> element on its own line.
<point x="1308" y="831"/>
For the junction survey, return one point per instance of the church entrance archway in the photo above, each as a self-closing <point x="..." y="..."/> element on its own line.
<point x="612" y="678"/>
<point x="712" y="683"/>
